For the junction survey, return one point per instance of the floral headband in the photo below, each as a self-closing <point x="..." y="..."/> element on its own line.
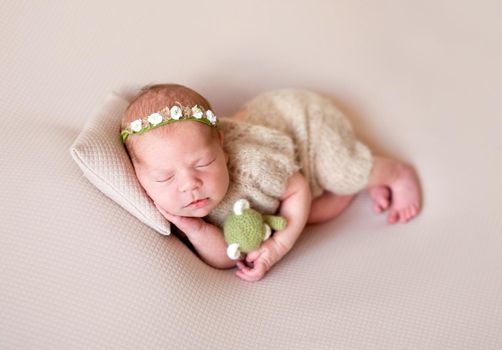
<point x="166" y="116"/>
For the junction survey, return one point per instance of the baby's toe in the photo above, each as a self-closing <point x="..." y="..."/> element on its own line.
<point x="403" y="215"/>
<point x="415" y="209"/>
<point x="410" y="214"/>
<point x="380" y="206"/>
<point x="377" y="208"/>
<point x="393" y="217"/>
<point x="384" y="203"/>
<point x="381" y="198"/>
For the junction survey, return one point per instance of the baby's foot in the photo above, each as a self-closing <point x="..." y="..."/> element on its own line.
<point x="381" y="198"/>
<point x="405" y="195"/>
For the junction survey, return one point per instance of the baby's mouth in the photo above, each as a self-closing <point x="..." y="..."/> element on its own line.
<point x="198" y="203"/>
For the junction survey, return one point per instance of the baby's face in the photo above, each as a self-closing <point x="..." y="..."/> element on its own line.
<point x="184" y="171"/>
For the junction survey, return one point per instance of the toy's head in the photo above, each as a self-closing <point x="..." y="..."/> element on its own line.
<point x="245" y="228"/>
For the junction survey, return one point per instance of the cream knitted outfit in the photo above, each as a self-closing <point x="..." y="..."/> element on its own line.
<point x="285" y="131"/>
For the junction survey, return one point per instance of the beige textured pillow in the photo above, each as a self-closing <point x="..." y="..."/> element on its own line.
<point x="102" y="157"/>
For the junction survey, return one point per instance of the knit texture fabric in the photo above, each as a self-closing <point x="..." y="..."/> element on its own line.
<point x="285" y="131"/>
<point x="260" y="160"/>
<point x="246" y="229"/>
<point x="330" y="156"/>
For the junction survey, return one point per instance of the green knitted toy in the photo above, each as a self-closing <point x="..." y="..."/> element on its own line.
<point x="245" y="228"/>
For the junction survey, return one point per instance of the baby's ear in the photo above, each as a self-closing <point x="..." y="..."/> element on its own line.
<point x="221" y="137"/>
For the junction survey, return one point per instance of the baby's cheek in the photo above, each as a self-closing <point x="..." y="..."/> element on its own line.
<point x="220" y="186"/>
<point x="159" y="196"/>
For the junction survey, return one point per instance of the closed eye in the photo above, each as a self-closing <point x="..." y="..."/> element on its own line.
<point x="166" y="179"/>
<point x="206" y="164"/>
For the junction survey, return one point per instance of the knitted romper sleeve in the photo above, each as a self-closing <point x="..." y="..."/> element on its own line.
<point x="331" y="157"/>
<point x="260" y="161"/>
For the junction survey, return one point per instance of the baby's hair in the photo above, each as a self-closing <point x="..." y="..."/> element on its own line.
<point x="152" y="98"/>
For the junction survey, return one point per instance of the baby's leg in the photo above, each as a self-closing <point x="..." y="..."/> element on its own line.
<point x="327" y="206"/>
<point x="394" y="185"/>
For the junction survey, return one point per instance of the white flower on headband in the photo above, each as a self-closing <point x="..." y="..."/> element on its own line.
<point x="155" y="118"/>
<point x="210" y="116"/>
<point x="176" y="112"/>
<point x="196" y="112"/>
<point x="136" y="125"/>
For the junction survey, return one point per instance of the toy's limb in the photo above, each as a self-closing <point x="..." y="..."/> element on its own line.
<point x="268" y="232"/>
<point x="240" y="206"/>
<point x="276" y="222"/>
<point x="233" y="251"/>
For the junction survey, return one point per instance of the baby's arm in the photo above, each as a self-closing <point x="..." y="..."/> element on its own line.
<point x="207" y="239"/>
<point x="295" y="207"/>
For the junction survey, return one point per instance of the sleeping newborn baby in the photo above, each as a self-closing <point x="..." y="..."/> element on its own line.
<point x="287" y="151"/>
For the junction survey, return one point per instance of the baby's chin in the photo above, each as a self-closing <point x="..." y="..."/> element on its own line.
<point x="198" y="214"/>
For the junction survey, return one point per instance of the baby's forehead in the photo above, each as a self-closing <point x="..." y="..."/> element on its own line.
<point x="175" y="142"/>
<point x="186" y="131"/>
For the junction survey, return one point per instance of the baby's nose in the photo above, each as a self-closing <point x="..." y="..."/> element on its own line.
<point x="189" y="183"/>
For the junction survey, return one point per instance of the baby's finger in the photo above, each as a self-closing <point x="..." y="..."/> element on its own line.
<point x="249" y="277"/>
<point x="252" y="275"/>
<point x="240" y="265"/>
<point x="253" y="256"/>
<point x="174" y="219"/>
<point x="243" y="268"/>
<point x="242" y="275"/>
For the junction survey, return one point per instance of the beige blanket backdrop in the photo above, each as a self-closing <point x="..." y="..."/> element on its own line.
<point x="420" y="80"/>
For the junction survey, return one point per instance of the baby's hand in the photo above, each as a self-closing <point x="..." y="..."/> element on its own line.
<point x="259" y="261"/>
<point x="186" y="224"/>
